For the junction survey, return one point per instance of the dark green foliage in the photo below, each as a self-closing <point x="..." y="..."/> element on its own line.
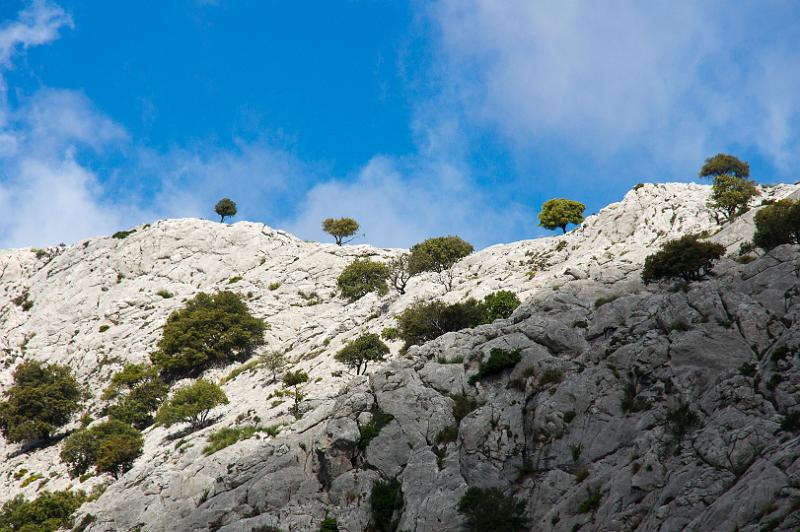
<point x="227" y="436"/>
<point x="361" y="277"/>
<point x="499" y="305"/>
<point x="48" y="512"/>
<point x="367" y="347"/>
<point x="777" y="224"/>
<point x="138" y="391"/>
<point x="724" y="164"/>
<point x="561" y="212"/>
<point x="390" y="333"/>
<point x="370" y="430"/>
<point x="438" y="255"/>
<point x="191" y="404"/>
<point x="780" y="353"/>
<point x="629" y="402"/>
<point x="329" y="524"/>
<point x="121" y="235"/>
<point x="43" y="398"/>
<point x="679" y="421"/>
<point x="569" y="415"/>
<point x="210" y="330"/>
<point x="421" y="322"/>
<point x="447" y="435"/>
<point x="110" y="447"/>
<point x="294" y="380"/>
<point x="791" y="422"/>
<point x="592" y="501"/>
<point x="731" y="196"/>
<point x="385" y="500"/>
<point x="463" y="405"/>
<point x="340" y="229"/>
<point x="686" y="258"/>
<point x="747" y="369"/>
<point x="499" y="361"/>
<point x="225" y="208"/>
<point x="488" y="510"/>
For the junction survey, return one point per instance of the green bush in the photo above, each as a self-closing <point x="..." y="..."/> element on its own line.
<point x="109" y="447"/>
<point x="48" y="512"/>
<point x="294" y="380"/>
<point x="791" y="421"/>
<point x="138" y="391"/>
<point x="121" y="235"/>
<point x="421" y="322"/>
<point x="224" y="208"/>
<point x="724" y="164"/>
<point x="385" y="500"/>
<point x="687" y="258"/>
<point x="367" y="347"/>
<point x="219" y="439"/>
<point x="680" y="420"/>
<point x="499" y="305"/>
<point x="340" y="229"/>
<point x="488" y="510"/>
<point x="463" y="405"/>
<point x="370" y="430"/>
<point x="499" y="361"/>
<point x="361" y="277"/>
<point x="209" y="330"/>
<point x="438" y="255"/>
<point x="777" y="224"/>
<point x="329" y="524"/>
<point x="731" y="196"/>
<point x="390" y="333"/>
<point x="191" y="404"/>
<point x="560" y="212"/>
<point x="592" y="501"/>
<point x="42" y="398"/>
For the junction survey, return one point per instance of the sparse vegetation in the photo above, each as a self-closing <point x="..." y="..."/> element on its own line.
<point x="370" y="430"/>
<point x="399" y="275"/>
<point x="687" y="258"/>
<point x="227" y="436"/>
<point x="139" y="392"/>
<point x="594" y="495"/>
<point x="731" y="196"/>
<point x="166" y="294"/>
<point x="361" y="277"/>
<point x="341" y="229"/>
<point x="121" y="235"/>
<point x="274" y="361"/>
<point x="42" y="398"/>
<point x="499" y="305"/>
<point x="488" y="510"/>
<point x="680" y="420"/>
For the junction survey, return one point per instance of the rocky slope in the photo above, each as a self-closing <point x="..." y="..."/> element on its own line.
<point x="552" y="432"/>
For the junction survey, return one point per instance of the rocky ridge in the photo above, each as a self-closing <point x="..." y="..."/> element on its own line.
<point x="587" y="324"/>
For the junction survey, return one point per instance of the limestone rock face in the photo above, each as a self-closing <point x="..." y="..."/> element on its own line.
<point x="667" y="403"/>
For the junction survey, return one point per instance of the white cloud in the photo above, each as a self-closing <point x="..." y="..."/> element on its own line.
<point x="677" y="79"/>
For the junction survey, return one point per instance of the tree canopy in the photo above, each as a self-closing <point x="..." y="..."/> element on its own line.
<point x="138" y="391"/>
<point x="438" y="255"/>
<point x="560" y="212"/>
<point x="209" y="330"/>
<point x="777" y="224"/>
<point x="191" y="404"/>
<point x="109" y="447"/>
<point x="224" y="208"/>
<point x="361" y="277"/>
<point x="731" y="195"/>
<point x="724" y="164"/>
<point x="687" y="258"/>
<point x="42" y="398"/>
<point x="48" y="512"/>
<point x="364" y="349"/>
<point x="340" y="229"/>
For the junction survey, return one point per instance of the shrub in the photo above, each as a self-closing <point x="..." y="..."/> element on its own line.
<point x="730" y="196"/>
<point x="340" y="229"/>
<point x="370" y="430"/>
<point x="592" y="501"/>
<point x="295" y="379"/>
<point x="121" y="235"/>
<point x="329" y="524"/>
<point x="104" y="328"/>
<point x="791" y="421"/>
<point x="191" y="404"/>
<point x="399" y="275"/>
<point x="390" y="333"/>
<point x="274" y="361"/>
<point x="463" y="405"/>
<point x="680" y="420"/>
<point x="499" y="305"/>
<point x="421" y="322"/>
<point x="367" y="347"/>
<point x="687" y="258"/>
<point x="499" y="361"/>
<point x="777" y="224"/>
<point x="385" y="500"/>
<point x="361" y="277"/>
<point x="137" y="407"/>
<point x="166" y="294"/>
<point x="551" y="376"/>
<point x="224" y="208"/>
<point x="438" y="255"/>
<point x="488" y="510"/>
<point x="210" y="330"/>
<point x="724" y="164"/>
<point x="110" y="447"/>
<point x="219" y="439"/>
<point x="42" y="398"/>
<point x="273" y="286"/>
<point x="48" y="512"/>
<point x="561" y="212"/>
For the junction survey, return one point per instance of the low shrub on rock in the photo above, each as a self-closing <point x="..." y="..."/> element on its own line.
<point x="499" y="305"/>
<point x="686" y="258"/>
<point x="361" y="277"/>
<point x="499" y="360"/>
<point x="50" y="511"/>
<point x="777" y="224"/>
<point x="488" y="510"/>
<point x="110" y="447"/>
<point x="191" y="404"/>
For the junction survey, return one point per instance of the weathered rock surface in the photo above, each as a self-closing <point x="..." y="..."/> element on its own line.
<point x="594" y="405"/>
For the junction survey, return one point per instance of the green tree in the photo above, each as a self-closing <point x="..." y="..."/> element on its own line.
<point x="488" y="510"/>
<point x="724" y="164"/>
<point x="110" y="447"/>
<point x="399" y="275"/>
<point x="191" y="404"/>
<point x="687" y="258"/>
<point x="224" y="208"/>
<point x="361" y="277"/>
<point x="294" y="380"/>
<point x="340" y="229"/>
<point x="138" y="391"/>
<point x="777" y="224"/>
<point x="42" y="398"/>
<point x="274" y="361"/>
<point x="560" y="212"/>
<point x="499" y="305"/>
<point x="730" y="196"/>
<point x="439" y="255"/>
<point x="364" y="349"/>
<point x="49" y="512"/>
<point x="210" y="330"/>
<point x="421" y="321"/>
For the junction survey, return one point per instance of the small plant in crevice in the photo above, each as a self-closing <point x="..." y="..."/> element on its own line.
<point x="791" y="421"/>
<point x="551" y="376"/>
<point x="499" y="361"/>
<point x="489" y="510"/>
<point x="575" y="450"/>
<point x="594" y="495"/>
<point x="329" y="524"/>
<point x="581" y="474"/>
<point x="371" y="429"/>
<point x="629" y="402"/>
<point x="681" y="420"/>
<point x="748" y="369"/>
<point x="463" y="405"/>
<point x="385" y="500"/>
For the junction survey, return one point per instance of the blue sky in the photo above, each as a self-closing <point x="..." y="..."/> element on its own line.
<point x="417" y="118"/>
